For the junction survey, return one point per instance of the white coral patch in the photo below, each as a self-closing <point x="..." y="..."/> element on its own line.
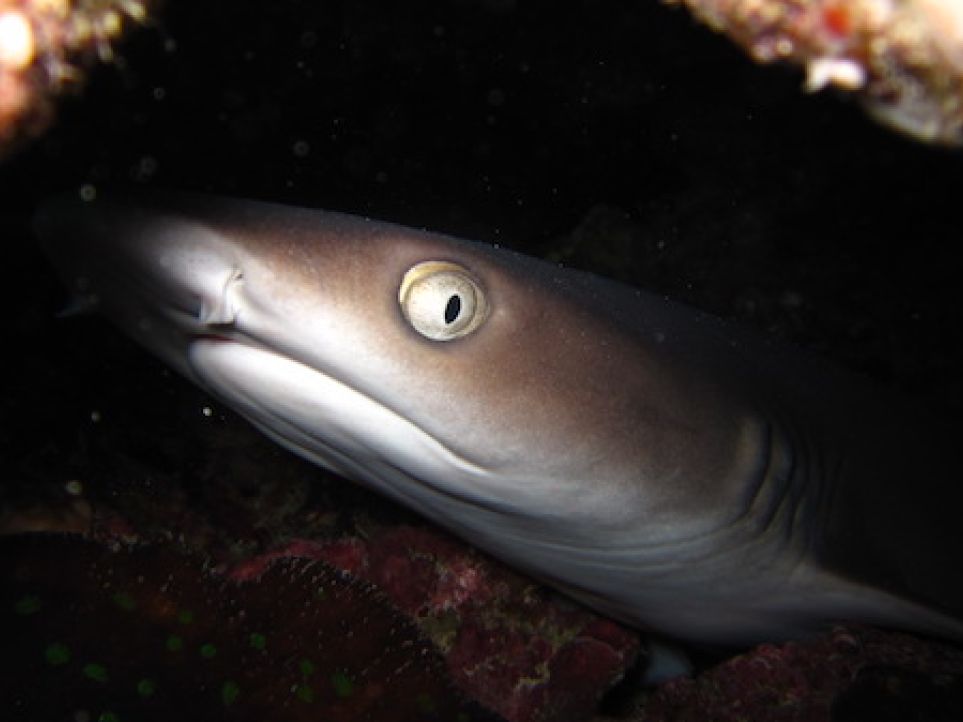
<point x="16" y="40"/>
<point x="841" y="72"/>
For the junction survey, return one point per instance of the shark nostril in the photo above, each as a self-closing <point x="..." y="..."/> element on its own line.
<point x="223" y="309"/>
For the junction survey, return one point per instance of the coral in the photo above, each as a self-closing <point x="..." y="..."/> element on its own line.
<point x="508" y="644"/>
<point x="147" y="633"/>
<point x="903" y="58"/>
<point x="45" y="48"/>
<point x="852" y="674"/>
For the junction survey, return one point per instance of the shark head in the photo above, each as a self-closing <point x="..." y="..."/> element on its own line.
<point x="469" y="382"/>
<point x="378" y="350"/>
<point x="598" y="437"/>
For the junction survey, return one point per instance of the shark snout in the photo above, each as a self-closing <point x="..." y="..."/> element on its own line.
<point x="120" y="252"/>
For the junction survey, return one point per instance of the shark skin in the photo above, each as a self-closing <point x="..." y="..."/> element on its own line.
<point x="663" y="466"/>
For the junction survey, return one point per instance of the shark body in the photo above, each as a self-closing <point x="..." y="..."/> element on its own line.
<point x="660" y="465"/>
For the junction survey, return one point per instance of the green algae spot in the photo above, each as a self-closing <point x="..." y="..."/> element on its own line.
<point x="208" y="651"/>
<point x="444" y="628"/>
<point x="343" y="686"/>
<point x="125" y="601"/>
<point x="27" y="604"/>
<point x="174" y="643"/>
<point x="229" y="692"/>
<point x="307" y="668"/>
<point x="304" y="693"/>
<point x="108" y="717"/>
<point x="258" y="641"/>
<point x="426" y="704"/>
<point x="462" y="717"/>
<point x="185" y="616"/>
<point x="146" y="687"/>
<point x="96" y="672"/>
<point x="56" y="654"/>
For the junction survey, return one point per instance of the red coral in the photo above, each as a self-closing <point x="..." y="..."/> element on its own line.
<point x="507" y="644"/>
<point x="812" y="681"/>
<point x="147" y="633"/>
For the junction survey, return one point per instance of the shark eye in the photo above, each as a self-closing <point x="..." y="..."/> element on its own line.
<point x="442" y="301"/>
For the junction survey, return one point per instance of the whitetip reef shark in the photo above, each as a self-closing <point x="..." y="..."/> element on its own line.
<point x="663" y="466"/>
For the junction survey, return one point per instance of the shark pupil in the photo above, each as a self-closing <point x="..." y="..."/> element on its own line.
<point x="453" y="308"/>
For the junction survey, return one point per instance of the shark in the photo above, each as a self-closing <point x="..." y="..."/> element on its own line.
<point x="663" y="466"/>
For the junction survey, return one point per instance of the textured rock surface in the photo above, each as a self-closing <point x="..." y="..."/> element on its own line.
<point x="508" y="643"/>
<point x="148" y="633"/>
<point x="851" y="674"/>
